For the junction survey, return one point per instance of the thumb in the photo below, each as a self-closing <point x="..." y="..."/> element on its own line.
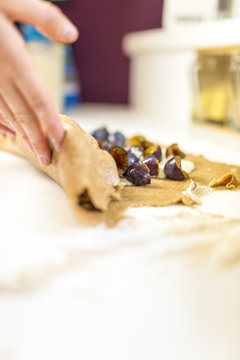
<point x="48" y="18"/>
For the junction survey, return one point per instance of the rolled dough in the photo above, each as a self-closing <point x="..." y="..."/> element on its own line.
<point x="88" y="173"/>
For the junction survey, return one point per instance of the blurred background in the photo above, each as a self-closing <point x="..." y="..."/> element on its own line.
<point x="164" y="283"/>
<point x="102" y="66"/>
<point x="147" y="54"/>
<point x="102" y="70"/>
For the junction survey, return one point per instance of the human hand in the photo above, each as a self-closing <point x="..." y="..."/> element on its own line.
<point x="26" y="105"/>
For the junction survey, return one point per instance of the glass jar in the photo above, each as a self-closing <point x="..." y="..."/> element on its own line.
<point x="210" y="86"/>
<point x="234" y="108"/>
<point x="224" y="9"/>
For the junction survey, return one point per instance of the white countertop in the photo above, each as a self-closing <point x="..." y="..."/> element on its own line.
<point x="163" y="284"/>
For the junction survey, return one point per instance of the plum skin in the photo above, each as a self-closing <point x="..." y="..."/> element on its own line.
<point x="152" y="163"/>
<point x="138" y="175"/>
<point x="173" y="169"/>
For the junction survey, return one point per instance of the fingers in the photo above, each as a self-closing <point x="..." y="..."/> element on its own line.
<point x="47" y="17"/>
<point x="26" y="95"/>
<point x="26" y="118"/>
<point x="40" y="101"/>
<point x="8" y="120"/>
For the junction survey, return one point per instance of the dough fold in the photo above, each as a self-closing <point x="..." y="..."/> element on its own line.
<point x="88" y="174"/>
<point x="228" y="179"/>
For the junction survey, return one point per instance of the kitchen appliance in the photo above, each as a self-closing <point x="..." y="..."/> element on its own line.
<point x="161" y="65"/>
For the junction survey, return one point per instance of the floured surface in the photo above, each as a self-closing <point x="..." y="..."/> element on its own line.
<point x="46" y="208"/>
<point x="161" y="277"/>
<point x="32" y="202"/>
<point x="63" y="289"/>
<point x="38" y="244"/>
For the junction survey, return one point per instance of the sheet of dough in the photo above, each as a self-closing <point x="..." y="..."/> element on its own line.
<point x="82" y="165"/>
<point x="167" y="192"/>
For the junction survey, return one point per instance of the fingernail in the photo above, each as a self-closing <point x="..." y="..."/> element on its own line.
<point x="44" y="160"/>
<point x="70" y="32"/>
